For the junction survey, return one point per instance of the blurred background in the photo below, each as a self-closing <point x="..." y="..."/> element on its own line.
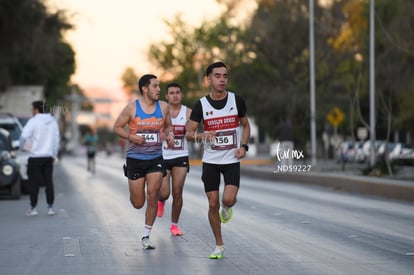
<point x="85" y="58"/>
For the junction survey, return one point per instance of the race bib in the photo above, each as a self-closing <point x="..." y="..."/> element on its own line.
<point x="225" y="140"/>
<point x="178" y="143"/>
<point x="150" y="138"/>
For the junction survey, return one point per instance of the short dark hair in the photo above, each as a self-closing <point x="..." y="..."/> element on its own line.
<point x="218" y="64"/>
<point x="144" y="81"/>
<point x="173" y="84"/>
<point x="39" y="105"/>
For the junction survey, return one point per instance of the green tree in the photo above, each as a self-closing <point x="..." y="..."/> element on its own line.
<point x="130" y="82"/>
<point x="274" y="81"/>
<point x="269" y="60"/>
<point x="344" y="79"/>
<point x="260" y="69"/>
<point x="33" y="50"/>
<point x="179" y="57"/>
<point x="395" y="61"/>
<point x="394" y="45"/>
<point x="185" y="57"/>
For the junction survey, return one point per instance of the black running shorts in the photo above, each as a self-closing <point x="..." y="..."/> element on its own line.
<point x="177" y="162"/>
<point x="136" y="168"/>
<point x="211" y="175"/>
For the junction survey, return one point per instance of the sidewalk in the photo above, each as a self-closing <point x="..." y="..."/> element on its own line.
<point x="329" y="174"/>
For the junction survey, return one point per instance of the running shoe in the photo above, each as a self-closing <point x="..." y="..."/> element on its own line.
<point x="146" y="243"/>
<point x="175" y="230"/>
<point x="50" y="211"/>
<point x="217" y="253"/>
<point x="225" y="214"/>
<point x="160" y="211"/>
<point x="31" y="212"/>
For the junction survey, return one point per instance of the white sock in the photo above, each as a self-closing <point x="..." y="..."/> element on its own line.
<point x="221" y="247"/>
<point x="147" y="230"/>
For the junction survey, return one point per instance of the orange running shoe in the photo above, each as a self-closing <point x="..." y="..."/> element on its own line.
<point x="175" y="230"/>
<point x="160" y="211"/>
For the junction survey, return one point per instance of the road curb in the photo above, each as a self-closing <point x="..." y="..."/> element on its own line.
<point x="393" y="189"/>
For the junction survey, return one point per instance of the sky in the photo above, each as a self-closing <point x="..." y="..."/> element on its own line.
<point x="112" y="35"/>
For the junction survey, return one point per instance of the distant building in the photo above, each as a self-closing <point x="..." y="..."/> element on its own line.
<point x="18" y="99"/>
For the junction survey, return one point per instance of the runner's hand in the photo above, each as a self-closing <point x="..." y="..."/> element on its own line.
<point x="169" y="139"/>
<point x="137" y="139"/>
<point x="240" y="153"/>
<point x="210" y="137"/>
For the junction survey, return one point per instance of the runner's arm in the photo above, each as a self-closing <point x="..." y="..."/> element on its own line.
<point x="168" y="128"/>
<point x="122" y="120"/>
<point x="241" y="151"/>
<point x="245" y="135"/>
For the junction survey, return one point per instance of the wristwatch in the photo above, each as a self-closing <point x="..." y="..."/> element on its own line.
<point x="245" y="146"/>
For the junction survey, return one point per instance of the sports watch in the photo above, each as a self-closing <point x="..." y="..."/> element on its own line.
<point x="245" y="146"/>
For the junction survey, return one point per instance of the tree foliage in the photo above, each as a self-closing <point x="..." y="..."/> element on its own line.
<point x="185" y="57"/>
<point x="275" y="82"/>
<point x="395" y="61"/>
<point x="269" y="56"/>
<point x="130" y="82"/>
<point x="32" y="51"/>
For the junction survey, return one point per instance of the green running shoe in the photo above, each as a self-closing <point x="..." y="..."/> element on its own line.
<point x="217" y="253"/>
<point x="226" y="214"/>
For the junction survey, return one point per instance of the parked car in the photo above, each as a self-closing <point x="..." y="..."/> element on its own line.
<point x="384" y="150"/>
<point x="366" y="148"/>
<point x="345" y="152"/>
<point x="406" y="159"/>
<point x="359" y="153"/>
<point x="12" y="124"/>
<point x="9" y="168"/>
<point x="400" y="151"/>
<point x="23" y="120"/>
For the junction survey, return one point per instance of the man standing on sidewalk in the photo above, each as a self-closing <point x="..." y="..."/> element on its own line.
<point x="176" y="158"/>
<point x="222" y="113"/>
<point x="40" y="136"/>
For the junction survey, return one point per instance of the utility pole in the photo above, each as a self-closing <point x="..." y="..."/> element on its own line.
<point x="312" y="81"/>
<point x="76" y="100"/>
<point x="372" y="82"/>
<point x="75" y="108"/>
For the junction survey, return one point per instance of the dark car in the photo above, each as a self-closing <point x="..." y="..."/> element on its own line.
<point x="9" y="169"/>
<point x="12" y="124"/>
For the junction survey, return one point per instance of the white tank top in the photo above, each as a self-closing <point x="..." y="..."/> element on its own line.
<point x="226" y="124"/>
<point x="180" y="148"/>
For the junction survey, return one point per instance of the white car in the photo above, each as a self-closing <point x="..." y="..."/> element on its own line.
<point x="400" y="151"/>
<point x="350" y="151"/>
<point x="366" y="148"/>
<point x="385" y="149"/>
<point x="345" y="152"/>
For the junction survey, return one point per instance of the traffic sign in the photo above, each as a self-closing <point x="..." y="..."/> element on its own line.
<point x="335" y="116"/>
<point x="362" y="133"/>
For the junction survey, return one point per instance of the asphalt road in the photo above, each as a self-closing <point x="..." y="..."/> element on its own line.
<point x="277" y="228"/>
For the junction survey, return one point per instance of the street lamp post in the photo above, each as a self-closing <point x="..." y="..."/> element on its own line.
<point x="76" y="100"/>
<point x="372" y="82"/>
<point x="75" y="108"/>
<point x="312" y="82"/>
